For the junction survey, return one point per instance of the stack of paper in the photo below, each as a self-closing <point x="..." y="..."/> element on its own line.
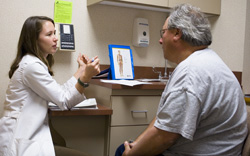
<point x="125" y="82"/>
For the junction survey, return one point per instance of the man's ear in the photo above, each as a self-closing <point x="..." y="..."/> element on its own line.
<point x="178" y="34"/>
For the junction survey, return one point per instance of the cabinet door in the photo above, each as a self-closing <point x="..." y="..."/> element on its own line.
<point x="207" y="6"/>
<point x="160" y="3"/>
<point x="133" y="110"/>
<point x="120" y="134"/>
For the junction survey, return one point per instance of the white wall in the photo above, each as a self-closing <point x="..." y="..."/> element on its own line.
<point x="231" y="36"/>
<point x="229" y="33"/>
<point x="98" y="26"/>
<point x="12" y="16"/>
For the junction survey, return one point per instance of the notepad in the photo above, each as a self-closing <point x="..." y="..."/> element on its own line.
<point x="88" y="103"/>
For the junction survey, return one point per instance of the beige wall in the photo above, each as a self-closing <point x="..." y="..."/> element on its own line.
<point x="98" y="26"/>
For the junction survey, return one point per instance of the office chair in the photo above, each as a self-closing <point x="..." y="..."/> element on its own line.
<point x="246" y="147"/>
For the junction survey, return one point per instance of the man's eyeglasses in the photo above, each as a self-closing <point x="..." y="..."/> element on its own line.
<point x="162" y="31"/>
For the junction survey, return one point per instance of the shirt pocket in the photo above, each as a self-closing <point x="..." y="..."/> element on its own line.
<point x="26" y="147"/>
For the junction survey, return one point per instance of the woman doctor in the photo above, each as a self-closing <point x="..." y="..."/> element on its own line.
<point x="24" y="129"/>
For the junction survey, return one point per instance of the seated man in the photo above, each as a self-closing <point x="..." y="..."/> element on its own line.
<point x="202" y="109"/>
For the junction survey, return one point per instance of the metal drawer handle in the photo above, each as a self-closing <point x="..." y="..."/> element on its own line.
<point x="141" y="111"/>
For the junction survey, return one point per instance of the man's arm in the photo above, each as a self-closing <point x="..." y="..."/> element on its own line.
<point x="152" y="141"/>
<point x="144" y="132"/>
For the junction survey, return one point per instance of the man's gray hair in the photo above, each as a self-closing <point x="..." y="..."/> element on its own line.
<point x="193" y="24"/>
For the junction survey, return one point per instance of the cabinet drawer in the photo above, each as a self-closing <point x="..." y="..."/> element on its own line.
<point x="133" y="110"/>
<point x="120" y="134"/>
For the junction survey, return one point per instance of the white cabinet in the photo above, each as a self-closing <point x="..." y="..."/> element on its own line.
<point x="156" y="3"/>
<point x="207" y="6"/>
<point x="131" y="115"/>
<point x="133" y="110"/>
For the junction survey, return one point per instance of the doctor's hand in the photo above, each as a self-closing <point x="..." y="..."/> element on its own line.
<point x="80" y="61"/>
<point x="86" y="60"/>
<point x="83" y="59"/>
<point x="92" y="68"/>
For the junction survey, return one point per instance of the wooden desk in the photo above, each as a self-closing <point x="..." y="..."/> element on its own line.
<point x="81" y="127"/>
<point x="102" y="110"/>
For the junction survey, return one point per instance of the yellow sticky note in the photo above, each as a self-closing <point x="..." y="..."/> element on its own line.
<point x="63" y="11"/>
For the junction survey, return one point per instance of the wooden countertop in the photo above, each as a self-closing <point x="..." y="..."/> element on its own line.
<point x="101" y="110"/>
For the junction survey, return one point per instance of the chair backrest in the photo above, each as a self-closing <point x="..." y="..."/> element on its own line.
<point x="246" y="147"/>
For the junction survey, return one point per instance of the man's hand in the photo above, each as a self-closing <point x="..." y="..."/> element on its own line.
<point x="127" y="149"/>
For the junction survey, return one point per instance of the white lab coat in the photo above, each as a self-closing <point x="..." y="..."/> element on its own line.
<point x="24" y="129"/>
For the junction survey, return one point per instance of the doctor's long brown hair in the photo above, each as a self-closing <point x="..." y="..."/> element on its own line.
<point x="28" y="43"/>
